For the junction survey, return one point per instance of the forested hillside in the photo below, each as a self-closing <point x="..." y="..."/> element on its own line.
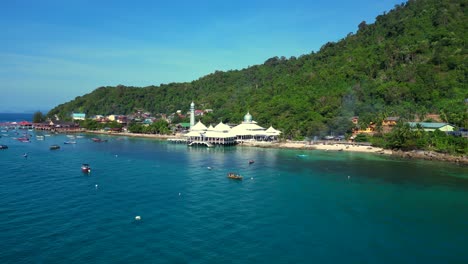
<point x="412" y="60"/>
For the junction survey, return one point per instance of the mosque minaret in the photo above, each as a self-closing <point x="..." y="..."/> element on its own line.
<point x="192" y="114"/>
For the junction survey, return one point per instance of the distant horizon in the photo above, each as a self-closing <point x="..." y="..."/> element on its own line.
<point x="57" y="51"/>
<point x="24" y="112"/>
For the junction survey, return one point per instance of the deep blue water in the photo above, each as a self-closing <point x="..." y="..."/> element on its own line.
<point x="15" y="117"/>
<point x="288" y="209"/>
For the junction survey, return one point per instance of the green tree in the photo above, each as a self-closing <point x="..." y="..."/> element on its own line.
<point x="38" y="117"/>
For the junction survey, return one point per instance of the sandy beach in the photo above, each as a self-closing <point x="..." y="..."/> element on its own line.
<point x="321" y="146"/>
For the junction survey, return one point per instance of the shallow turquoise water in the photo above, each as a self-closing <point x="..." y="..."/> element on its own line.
<point x="288" y="209"/>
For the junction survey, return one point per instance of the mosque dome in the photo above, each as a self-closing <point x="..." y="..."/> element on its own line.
<point x="248" y="118"/>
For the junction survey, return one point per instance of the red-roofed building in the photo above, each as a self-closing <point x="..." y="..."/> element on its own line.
<point x="25" y="124"/>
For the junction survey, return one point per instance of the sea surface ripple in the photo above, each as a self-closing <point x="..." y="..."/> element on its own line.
<point x="292" y="206"/>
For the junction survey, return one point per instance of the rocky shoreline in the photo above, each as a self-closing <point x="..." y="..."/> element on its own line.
<point x="430" y="155"/>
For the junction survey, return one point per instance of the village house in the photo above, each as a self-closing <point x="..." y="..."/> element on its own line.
<point x="78" y="116"/>
<point x="390" y="121"/>
<point x="199" y="112"/>
<point x="431" y="127"/>
<point x="370" y="129"/>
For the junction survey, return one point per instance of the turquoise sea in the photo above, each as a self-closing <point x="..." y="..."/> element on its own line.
<point x="293" y="206"/>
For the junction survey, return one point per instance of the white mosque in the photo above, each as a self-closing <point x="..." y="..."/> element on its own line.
<point x="223" y="134"/>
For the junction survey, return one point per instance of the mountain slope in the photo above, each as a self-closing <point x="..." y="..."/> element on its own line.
<point x="412" y="60"/>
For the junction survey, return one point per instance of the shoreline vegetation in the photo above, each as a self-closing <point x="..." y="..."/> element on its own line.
<point x="332" y="146"/>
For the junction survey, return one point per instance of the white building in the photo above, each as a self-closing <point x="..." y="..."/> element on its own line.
<point x="224" y="135"/>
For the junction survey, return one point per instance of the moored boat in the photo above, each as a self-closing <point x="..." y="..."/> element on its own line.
<point x="85" y="168"/>
<point x="3" y="146"/>
<point x="23" y="139"/>
<point x="251" y="162"/>
<point x="99" y="140"/>
<point x="69" y="142"/>
<point x="232" y="175"/>
<point x="54" y="147"/>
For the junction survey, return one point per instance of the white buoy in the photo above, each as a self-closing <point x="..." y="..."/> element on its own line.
<point x="116" y="156"/>
<point x="179" y="194"/>
<point x="208" y="168"/>
<point x="96" y="186"/>
<point x="349" y="176"/>
<point x="138" y="218"/>
<point x="251" y="178"/>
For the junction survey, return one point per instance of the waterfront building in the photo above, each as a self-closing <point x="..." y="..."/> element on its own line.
<point x="220" y="135"/>
<point x="223" y="134"/>
<point x="249" y="130"/>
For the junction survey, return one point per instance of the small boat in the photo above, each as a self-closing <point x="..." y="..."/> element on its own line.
<point x="251" y="162"/>
<point x="69" y="142"/>
<point x="85" y="168"/>
<point x="23" y="139"/>
<point x="54" y="147"/>
<point x="40" y="137"/>
<point x="232" y="175"/>
<point x="3" y="146"/>
<point x="99" y="140"/>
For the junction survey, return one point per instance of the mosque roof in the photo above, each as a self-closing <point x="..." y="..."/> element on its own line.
<point x="272" y="131"/>
<point x="248" y="129"/>
<point x="222" y="130"/>
<point x="198" y="127"/>
<point x="222" y="127"/>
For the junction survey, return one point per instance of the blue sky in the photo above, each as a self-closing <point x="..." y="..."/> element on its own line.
<point x="52" y="51"/>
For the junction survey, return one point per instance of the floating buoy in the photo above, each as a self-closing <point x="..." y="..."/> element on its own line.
<point x="138" y="218"/>
<point x="349" y="176"/>
<point x="116" y="156"/>
<point x="179" y="194"/>
<point x="96" y="186"/>
<point x="208" y="168"/>
<point x="251" y="178"/>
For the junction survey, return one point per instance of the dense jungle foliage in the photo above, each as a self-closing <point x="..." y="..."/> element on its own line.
<point x="411" y="61"/>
